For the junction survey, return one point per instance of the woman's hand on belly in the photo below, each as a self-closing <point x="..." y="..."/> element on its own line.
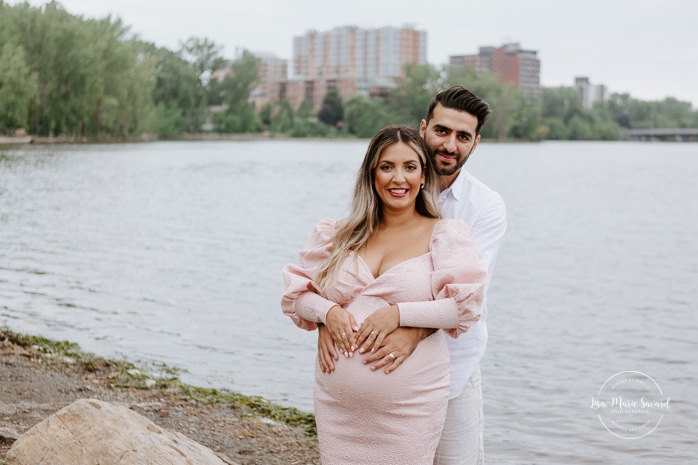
<point x="342" y="326"/>
<point x="378" y="325"/>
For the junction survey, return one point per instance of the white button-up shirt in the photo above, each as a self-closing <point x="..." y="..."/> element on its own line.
<point x="483" y="210"/>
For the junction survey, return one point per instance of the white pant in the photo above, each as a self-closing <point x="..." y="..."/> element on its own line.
<point x="462" y="436"/>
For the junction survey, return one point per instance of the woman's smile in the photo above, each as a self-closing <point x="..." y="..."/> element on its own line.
<point x="398" y="192"/>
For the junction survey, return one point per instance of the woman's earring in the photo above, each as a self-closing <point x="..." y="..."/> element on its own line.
<point x="422" y="186"/>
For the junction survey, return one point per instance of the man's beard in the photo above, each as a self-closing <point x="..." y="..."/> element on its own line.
<point x="447" y="170"/>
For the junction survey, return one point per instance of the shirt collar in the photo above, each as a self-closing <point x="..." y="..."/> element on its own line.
<point x="455" y="189"/>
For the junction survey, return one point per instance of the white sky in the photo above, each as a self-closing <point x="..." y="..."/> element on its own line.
<point x="648" y="48"/>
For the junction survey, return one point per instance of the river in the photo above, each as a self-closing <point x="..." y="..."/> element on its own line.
<point x="171" y="252"/>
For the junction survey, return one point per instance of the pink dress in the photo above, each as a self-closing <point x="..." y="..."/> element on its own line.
<point x="368" y="417"/>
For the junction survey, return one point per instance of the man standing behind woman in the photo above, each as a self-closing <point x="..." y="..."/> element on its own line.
<point x="451" y="131"/>
<point x="391" y="262"/>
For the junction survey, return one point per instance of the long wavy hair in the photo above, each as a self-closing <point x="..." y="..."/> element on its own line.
<point x="353" y="231"/>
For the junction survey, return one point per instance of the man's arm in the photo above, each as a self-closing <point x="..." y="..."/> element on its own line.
<point x="489" y="230"/>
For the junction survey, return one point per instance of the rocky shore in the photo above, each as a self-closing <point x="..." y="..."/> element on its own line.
<point x="38" y="377"/>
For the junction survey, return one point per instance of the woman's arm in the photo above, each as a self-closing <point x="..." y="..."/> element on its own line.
<point x="301" y="300"/>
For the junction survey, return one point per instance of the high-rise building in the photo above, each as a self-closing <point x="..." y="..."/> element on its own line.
<point x="510" y="62"/>
<point x="351" y="52"/>
<point x="352" y="60"/>
<point x="590" y="92"/>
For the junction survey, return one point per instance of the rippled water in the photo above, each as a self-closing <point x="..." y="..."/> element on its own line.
<point x="171" y="252"/>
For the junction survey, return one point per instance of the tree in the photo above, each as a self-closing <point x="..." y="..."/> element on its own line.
<point x="579" y="128"/>
<point x="306" y="128"/>
<point x="464" y="76"/>
<point x="282" y="121"/>
<point x="618" y="108"/>
<point x="365" y="117"/>
<point x="277" y="116"/>
<point x="118" y="81"/>
<point x="204" y="56"/>
<point x="178" y="93"/>
<point x="672" y="113"/>
<point x="409" y="100"/>
<point x="527" y="120"/>
<point x="18" y="87"/>
<point x="90" y="76"/>
<point x="305" y="110"/>
<point x="561" y="103"/>
<point x="553" y="129"/>
<point x="631" y="113"/>
<point x="505" y="101"/>
<point x="508" y="113"/>
<point x="332" y="110"/>
<point x="239" y="115"/>
<point x="605" y="128"/>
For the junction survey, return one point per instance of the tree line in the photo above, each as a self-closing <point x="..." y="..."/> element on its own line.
<point x="63" y="74"/>
<point x="550" y="114"/>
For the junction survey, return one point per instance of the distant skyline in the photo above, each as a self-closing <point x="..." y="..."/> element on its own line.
<point x="643" y="47"/>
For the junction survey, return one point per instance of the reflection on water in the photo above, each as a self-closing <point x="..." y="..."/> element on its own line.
<point x="172" y="252"/>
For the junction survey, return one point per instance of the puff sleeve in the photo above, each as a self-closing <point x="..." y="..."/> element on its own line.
<point x="302" y="301"/>
<point x="457" y="283"/>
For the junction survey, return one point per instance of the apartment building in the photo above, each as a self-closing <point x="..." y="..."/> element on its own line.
<point x="351" y="59"/>
<point x="352" y="52"/>
<point x="590" y="92"/>
<point x="510" y="62"/>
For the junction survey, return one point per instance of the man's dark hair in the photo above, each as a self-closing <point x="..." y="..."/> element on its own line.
<point x="461" y="99"/>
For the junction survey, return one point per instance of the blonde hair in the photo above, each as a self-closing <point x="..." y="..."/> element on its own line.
<point x="353" y="231"/>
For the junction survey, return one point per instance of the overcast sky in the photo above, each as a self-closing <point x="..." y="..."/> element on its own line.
<point x="648" y="48"/>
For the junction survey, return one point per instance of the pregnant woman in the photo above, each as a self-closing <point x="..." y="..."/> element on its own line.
<point x="391" y="262"/>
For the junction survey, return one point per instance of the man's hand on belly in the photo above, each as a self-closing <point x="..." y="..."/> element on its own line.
<point x="326" y="351"/>
<point x="396" y="347"/>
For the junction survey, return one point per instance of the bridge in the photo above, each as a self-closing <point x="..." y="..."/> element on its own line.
<point x="681" y="135"/>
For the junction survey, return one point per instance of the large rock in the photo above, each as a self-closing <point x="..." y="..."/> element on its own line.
<point x="92" y="432"/>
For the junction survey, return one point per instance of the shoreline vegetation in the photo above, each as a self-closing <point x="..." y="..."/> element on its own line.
<point x="41" y="376"/>
<point x="70" y="140"/>
<point x="70" y="78"/>
<point x="9" y="142"/>
<point x="184" y="137"/>
<point x="189" y="137"/>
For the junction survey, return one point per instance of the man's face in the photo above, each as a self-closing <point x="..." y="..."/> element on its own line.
<point x="450" y="136"/>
